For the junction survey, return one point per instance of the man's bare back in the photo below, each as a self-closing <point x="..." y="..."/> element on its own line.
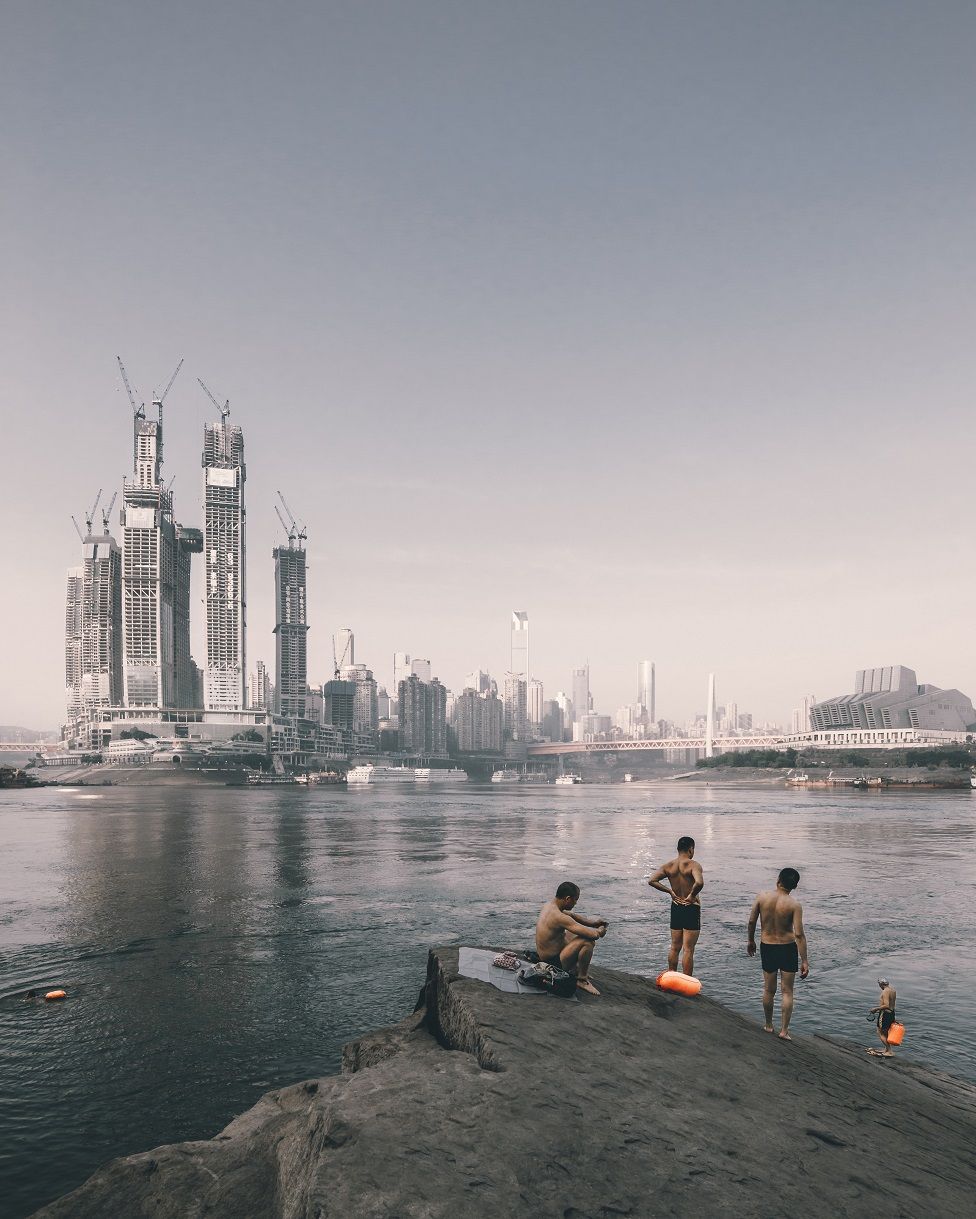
<point x="777" y="912"/>
<point x="683" y="874"/>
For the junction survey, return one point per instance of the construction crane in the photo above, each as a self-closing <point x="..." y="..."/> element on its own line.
<point x="107" y="513"/>
<point x="338" y="663"/>
<point x="138" y="410"/>
<point x="158" y="400"/>
<point x="296" y="533"/>
<point x="224" y="410"/>
<point x="89" y="518"/>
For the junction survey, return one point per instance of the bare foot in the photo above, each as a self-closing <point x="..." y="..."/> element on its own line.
<point x="768" y="1028"/>
<point x="587" y="985"/>
<point x="784" y="1036"/>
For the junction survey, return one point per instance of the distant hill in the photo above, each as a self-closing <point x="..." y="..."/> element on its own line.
<point x="26" y="736"/>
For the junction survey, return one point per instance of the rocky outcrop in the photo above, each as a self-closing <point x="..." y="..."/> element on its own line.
<point x="637" y="1103"/>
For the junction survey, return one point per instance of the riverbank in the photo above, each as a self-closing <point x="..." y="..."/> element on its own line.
<point x="893" y="778"/>
<point x="634" y="1103"/>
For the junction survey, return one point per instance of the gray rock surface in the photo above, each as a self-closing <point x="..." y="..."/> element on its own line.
<point x="637" y="1103"/>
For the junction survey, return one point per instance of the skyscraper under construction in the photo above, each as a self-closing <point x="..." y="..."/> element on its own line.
<point x="157" y="669"/>
<point x="291" y="622"/>
<point x="225" y="681"/>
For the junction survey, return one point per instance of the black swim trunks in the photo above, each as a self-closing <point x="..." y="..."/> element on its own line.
<point x="685" y="918"/>
<point x="779" y="956"/>
<point x="886" y="1018"/>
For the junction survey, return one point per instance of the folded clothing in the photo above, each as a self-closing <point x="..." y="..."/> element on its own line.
<point x="507" y="960"/>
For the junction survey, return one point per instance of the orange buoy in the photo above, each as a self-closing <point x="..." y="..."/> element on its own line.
<point x="55" y="994"/>
<point x="681" y="984"/>
<point x="896" y="1034"/>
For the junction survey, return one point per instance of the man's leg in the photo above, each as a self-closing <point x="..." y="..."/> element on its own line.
<point x="580" y="950"/>
<point x="688" y="951"/>
<point x="676" y="939"/>
<point x="769" y="994"/>
<point x="786" y="1005"/>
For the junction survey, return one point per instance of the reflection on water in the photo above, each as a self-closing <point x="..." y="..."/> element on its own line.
<point x="215" y="943"/>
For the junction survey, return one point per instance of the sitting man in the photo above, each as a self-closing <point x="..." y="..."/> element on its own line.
<point x="567" y="941"/>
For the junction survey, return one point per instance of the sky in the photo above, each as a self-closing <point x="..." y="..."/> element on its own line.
<point x="654" y="320"/>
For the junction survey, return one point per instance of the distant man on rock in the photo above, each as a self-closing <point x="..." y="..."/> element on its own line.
<point x="685" y="881"/>
<point x="567" y="940"/>
<point x="783" y="946"/>
<point x="886" y="1017"/>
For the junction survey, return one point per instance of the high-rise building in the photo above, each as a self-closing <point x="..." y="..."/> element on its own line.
<point x="534" y="706"/>
<point x="101" y="639"/>
<point x="73" y="629"/>
<point x="339" y="704"/>
<point x="344" y="647"/>
<point x="645" y="688"/>
<point x="225" y="596"/>
<point x="401" y="671"/>
<point x="481" y="682"/>
<point x="516" y="708"/>
<point x="157" y="668"/>
<point x="421" y="669"/>
<point x="383" y="703"/>
<point x="565" y="705"/>
<point x="582" y="703"/>
<point x="477" y="721"/>
<point x="520" y="645"/>
<point x="552" y="720"/>
<point x="291" y="626"/>
<point x="422" y="717"/>
<point x="259" y="696"/>
<point x="366" y="709"/>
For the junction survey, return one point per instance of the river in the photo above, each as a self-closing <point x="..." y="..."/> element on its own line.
<point x="215" y="943"/>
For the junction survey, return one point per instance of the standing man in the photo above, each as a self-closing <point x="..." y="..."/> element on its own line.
<point x="783" y="946"/>
<point x="567" y="940"/>
<point x="685" y="881"/>
<point x="886" y="1017"/>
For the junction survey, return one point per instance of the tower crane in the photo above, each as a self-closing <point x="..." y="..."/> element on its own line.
<point x="107" y="513"/>
<point x="224" y="410"/>
<point x="89" y="517"/>
<point x="294" y="531"/>
<point x="159" y="399"/>
<point x="138" y="410"/>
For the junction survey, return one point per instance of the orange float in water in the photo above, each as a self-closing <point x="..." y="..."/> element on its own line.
<point x="896" y="1034"/>
<point x="681" y="984"/>
<point x="55" y="994"/>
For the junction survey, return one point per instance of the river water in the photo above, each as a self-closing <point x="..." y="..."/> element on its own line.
<point x="216" y="943"/>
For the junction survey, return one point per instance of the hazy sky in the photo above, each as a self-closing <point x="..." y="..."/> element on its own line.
<point x="654" y="320"/>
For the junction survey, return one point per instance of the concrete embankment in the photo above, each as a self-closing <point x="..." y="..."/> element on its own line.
<point x="636" y="1103"/>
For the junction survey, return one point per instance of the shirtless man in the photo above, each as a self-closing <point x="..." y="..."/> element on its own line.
<point x="685" y="881"/>
<point x="566" y="940"/>
<point x="783" y="945"/>
<point x="886" y="1017"/>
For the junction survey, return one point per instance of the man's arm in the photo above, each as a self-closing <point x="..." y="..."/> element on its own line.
<point x="696" y="888"/>
<point x="801" y="940"/>
<point x="655" y="883"/>
<point x="591" y="922"/>
<point x="753" y="919"/>
<point x="577" y="928"/>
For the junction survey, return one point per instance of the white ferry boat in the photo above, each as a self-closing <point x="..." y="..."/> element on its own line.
<point x="433" y="774"/>
<point x="506" y="776"/>
<point x="380" y="774"/>
<point x="567" y="780"/>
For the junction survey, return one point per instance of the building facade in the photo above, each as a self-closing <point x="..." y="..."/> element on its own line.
<point x="101" y="639"/>
<point x="366" y="703"/>
<point x="157" y="668"/>
<point x="422" y="717"/>
<point x="892" y="698"/>
<point x="477" y="721"/>
<point x="291" y="628"/>
<point x="516" y="708"/>
<point x="225" y="591"/>
<point x="73" y="628"/>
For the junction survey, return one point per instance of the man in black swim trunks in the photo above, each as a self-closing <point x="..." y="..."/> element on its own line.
<point x="685" y="881"/>
<point x="783" y="946"/>
<point x="567" y="940"/>
<point x="886" y="1017"/>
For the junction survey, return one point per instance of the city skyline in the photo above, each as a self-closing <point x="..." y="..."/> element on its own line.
<point x="668" y="368"/>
